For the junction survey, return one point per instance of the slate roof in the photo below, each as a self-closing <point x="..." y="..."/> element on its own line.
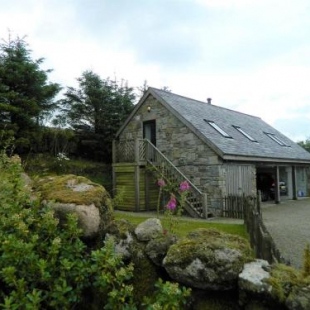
<point x="194" y="113"/>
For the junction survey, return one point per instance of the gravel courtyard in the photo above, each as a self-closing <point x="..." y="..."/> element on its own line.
<point x="289" y="225"/>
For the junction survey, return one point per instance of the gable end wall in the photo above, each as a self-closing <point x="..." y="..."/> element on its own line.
<point x="181" y="146"/>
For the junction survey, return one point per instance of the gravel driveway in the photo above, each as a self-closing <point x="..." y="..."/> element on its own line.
<point x="289" y="225"/>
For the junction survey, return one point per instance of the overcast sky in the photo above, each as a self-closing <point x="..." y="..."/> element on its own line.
<point x="248" y="55"/>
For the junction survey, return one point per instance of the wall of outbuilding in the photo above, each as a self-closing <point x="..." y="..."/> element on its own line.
<point x="184" y="149"/>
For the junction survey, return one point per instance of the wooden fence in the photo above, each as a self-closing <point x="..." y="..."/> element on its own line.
<point x="249" y="209"/>
<point x="260" y="239"/>
<point x="233" y="205"/>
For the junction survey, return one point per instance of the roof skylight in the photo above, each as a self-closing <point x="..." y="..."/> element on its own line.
<point x="218" y="129"/>
<point x="275" y="138"/>
<point x="245" y="134"/>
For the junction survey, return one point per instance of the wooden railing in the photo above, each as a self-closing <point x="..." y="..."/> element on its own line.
<point x="143" y="151"/>
<point x="196" y="201"/>
<point x="124" y="151"/>
<point x="129" y="151"/>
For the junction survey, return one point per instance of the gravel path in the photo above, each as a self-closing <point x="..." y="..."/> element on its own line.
<point x="289" y="225"/>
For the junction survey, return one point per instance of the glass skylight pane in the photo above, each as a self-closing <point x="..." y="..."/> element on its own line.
<point x="275" y="138"/>
<point x="245" y="134"/>
<point x="219" y="129"/>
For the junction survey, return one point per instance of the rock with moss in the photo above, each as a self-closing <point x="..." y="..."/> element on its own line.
<point x="77" y="194"/>
<point x="127" y="244"/>
<point x="290" y="287"/>
<point x="149" y="229"/>
<point x="208" y="259"/>
<point x="283" y="279"/>
<point x="254" y="290"/>
<point x="157" y="248"/>
<point x="122" y="233"/>
<point x="299" y="298"/>
<point x="145" y="273"/>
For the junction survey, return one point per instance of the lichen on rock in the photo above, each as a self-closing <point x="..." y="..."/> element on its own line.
<point x="70" y="193"/>
<point x="73" y="189"/>
<point x="157" y="248"/>
<point x="207" y="259"/>
<point x="149" y="229"/>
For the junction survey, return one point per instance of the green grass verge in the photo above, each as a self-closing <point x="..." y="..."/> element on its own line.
<point x="185" y="225"/>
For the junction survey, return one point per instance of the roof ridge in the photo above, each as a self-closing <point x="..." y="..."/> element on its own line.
<point x="203" y="102"/>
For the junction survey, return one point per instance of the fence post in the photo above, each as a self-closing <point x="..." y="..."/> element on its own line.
<point x="205" y="205"/>
<point x="259" y="199"/>
<point x="113" y="152"/>
<point x="136" y="148"/>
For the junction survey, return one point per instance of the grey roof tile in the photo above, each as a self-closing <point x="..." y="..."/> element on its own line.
<point x="194" y="112"/>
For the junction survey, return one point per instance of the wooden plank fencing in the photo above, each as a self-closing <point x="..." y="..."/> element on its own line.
<point x="233" y="205"/>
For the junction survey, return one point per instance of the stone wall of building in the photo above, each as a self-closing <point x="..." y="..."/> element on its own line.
<point x="183" y="148"/>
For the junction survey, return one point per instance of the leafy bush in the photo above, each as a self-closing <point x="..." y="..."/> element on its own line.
<point x="169" y="296"/>
<point x="47" y="266"/>
<point x="43" y="265"/>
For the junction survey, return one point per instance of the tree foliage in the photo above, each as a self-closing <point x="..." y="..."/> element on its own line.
<point x="305" y="144"/>
<point x="97" y="108"/>
<point x="26" y="96"/>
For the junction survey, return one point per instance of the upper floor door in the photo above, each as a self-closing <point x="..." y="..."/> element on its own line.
<point x="149" y="131"/>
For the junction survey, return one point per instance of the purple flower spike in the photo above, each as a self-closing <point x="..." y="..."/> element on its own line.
<point x="184" y="186"/>
<point x="172" y="203"/>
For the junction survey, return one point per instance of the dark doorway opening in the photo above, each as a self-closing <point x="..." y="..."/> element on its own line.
<point x="264" y="182"/>
<point x="149" y="131"/>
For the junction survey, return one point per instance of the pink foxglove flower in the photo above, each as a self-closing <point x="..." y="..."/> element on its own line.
<point x="172" y="203"/>
<point x="184" y="186"/>
<point x="161" y="183"/>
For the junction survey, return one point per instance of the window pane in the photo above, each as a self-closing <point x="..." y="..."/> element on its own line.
<point x="245" y="134"/>
<point x="217" y="128"/>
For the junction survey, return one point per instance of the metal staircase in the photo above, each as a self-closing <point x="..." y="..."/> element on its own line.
<point x="195" y="201"/>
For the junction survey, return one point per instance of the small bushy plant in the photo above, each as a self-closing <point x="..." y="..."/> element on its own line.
<point x="168" y="296"/>
<point x="45" y="265"/>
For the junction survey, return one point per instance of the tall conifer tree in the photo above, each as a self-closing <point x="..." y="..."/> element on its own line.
<point x="26" y="96"/>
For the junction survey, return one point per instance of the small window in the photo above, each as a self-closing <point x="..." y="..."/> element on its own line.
<point x="276" y="139"/>
<point x="218" y="129"/>
<point x="245" y="134"/>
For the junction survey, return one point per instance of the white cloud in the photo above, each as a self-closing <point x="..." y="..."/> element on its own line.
<point x="252" y="56"/>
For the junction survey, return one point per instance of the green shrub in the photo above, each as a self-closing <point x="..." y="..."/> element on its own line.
<point x="168" y="296"/>
<point x="43" y="265"/>
<point x="47" y="266"/>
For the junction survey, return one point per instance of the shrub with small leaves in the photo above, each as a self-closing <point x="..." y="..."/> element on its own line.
<point x="168" y="296"/>
<point x="47" y="266"/>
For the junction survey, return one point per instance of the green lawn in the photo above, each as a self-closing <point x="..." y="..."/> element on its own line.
<point x="185" y="225"/>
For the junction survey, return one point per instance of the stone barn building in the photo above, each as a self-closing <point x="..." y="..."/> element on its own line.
<point x="220" y="152"/>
